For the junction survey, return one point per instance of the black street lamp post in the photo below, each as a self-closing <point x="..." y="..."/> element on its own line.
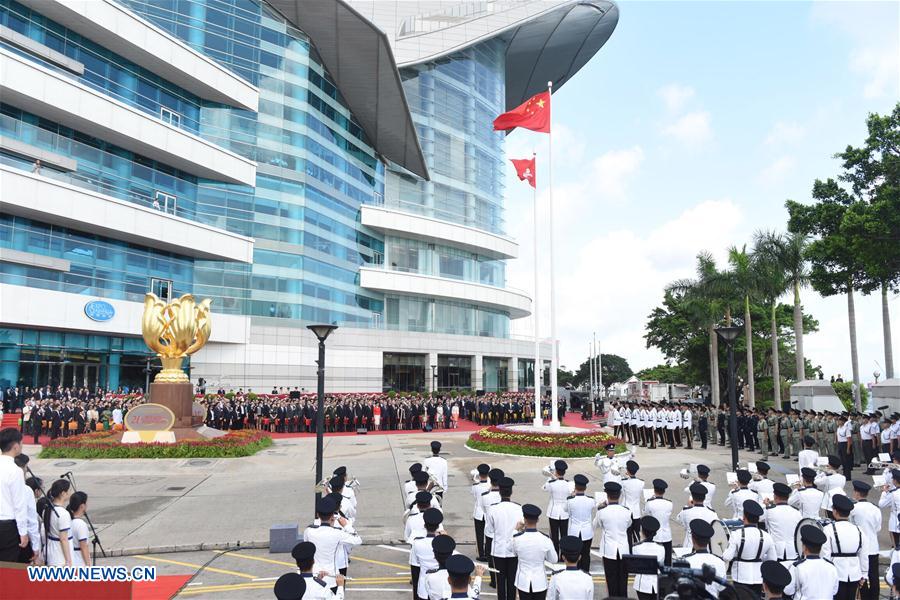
<point x="321" y="332"/>
<point x="728" y="335"/>
<point x="434" y="378"/>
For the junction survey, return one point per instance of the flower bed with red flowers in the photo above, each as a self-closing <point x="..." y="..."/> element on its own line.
<point x="557" y="445"/>
<point x="107" y="444"/>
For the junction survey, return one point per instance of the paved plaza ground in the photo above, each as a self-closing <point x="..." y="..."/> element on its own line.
<point x="149" y="509"/>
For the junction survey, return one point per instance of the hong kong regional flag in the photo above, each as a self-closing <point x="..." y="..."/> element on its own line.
<point x="525" y="170"/>
<point x="533" y="114"/>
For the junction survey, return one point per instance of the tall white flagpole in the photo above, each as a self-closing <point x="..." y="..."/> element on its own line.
<point x="538" y="365"/>
<point x="594" y="369"/>
<point x="591" y="372"/>
<point x="600" y="369"/>
<point x="554" y="364"/>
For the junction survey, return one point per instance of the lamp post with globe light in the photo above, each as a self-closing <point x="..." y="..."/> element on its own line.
<point x="321" y="332"/>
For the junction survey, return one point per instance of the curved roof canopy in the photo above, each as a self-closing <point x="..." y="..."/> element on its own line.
<point x="554" y="46"/>
<point x="359" y="59"/>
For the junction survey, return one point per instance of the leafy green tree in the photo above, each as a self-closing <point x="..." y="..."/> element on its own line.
<point x="614" y="368"/>
<point x="835" y="268"/>
<point x="872" y="227"/>
<point x="664" y="373"/>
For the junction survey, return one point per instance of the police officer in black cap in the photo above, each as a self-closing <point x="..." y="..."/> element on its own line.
<point x="437" y="465"/>
<point x="570" y="582"/>
<point x="290" y="586"/>
<point x="436" y="580"/>
<point x="614" y="519"/>
<point x="304" y="555"/>
<point x="845" y="548"/>
<point x="479" y="487"/>
<point x="775" y="578"/>
<point x="459" y="570"/>
<point x="647" y="586"/>
<point x="701" y="532"/>
<point x="748" y="547"/>
<point x="812" y="576"/>
<point x="581" y="519"/>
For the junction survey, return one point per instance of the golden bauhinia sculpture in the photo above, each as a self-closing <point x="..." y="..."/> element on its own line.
<point x="174" y="331"/>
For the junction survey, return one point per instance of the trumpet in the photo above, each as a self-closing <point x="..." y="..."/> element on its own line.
<point x="434" y="486"/>
<point x="690" y="472"/>
<point x="880" y="465"/>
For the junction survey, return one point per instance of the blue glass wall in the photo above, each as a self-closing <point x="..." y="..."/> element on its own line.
<point x="453" y="103"/>
<point x="103" y="70"/>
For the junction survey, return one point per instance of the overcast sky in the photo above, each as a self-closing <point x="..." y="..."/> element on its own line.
<point x="687" y="132"/>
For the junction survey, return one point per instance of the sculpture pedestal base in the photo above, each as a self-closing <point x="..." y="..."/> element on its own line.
<point x="177" y="397"/>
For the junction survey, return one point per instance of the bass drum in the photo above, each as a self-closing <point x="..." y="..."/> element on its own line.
<point x="798" y="543"/>
<point x="719" y="542"/>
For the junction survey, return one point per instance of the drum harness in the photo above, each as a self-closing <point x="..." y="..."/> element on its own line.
<point x="740" y="551"/>
<point x="837" y="540"/>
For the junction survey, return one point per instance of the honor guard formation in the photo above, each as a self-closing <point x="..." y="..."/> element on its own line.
<point x="807" y="537"/>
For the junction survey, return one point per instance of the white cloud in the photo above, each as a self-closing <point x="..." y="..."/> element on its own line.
<point x="692" y="129"/>
<point x="777" y="170"/>
<point x="785" y="132"/>
<point x="871" y="28"/>
<point x="676" y="95"/>
<point x="880" y="66"/>
<point x="619" y="277"/>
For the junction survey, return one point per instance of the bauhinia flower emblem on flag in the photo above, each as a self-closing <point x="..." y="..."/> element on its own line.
<point x="526" y="170"/>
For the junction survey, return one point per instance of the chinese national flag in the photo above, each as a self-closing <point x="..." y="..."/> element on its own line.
<point x="533" y="114"/>
<point x="525" y="170"/>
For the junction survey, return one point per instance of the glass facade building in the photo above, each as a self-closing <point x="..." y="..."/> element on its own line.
<point x="292" y="244"/>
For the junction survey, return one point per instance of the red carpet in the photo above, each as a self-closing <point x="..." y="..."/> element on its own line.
<point x="164" y="588"/>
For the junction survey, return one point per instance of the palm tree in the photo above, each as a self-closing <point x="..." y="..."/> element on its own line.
<point x="790" y="250"/>
<point x="706" y="308"/>
<point x="743" y="279"/>
<point x="773" y="281"/>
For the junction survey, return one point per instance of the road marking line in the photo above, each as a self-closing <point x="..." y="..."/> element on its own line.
<point x="195" y="566"/>
<point x="378" y="562"/>
<point x="195" y="583"/>
<point x="265" y="579"/>
<point x="386" y="547"/>
<point x="259" y="558"/>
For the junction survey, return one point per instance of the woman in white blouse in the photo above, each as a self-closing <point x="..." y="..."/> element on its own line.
<point x="58" y="524"/>
<point x="81" y="556"/>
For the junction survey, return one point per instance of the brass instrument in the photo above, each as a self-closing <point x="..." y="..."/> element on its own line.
<point x="690" y="472"/>
<point x="434" y="486"/>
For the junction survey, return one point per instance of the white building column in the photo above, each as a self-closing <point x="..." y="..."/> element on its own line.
<point x="478" y="372"/>
<point x="512" y="376"/>
<point x="429" y="372"/>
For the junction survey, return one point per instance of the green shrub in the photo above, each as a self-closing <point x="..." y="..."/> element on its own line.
<point x="844" y="390"/>
<point x="106" y="445"/>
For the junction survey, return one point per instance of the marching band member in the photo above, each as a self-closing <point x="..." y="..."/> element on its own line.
<point x="893" y="574"/>
<point x="531" y="548"/>
<point x="328" y="536"/>
<point x="421" y="480"/>
<point x="503" y="517"/>
<point x="614" y="519"/>
<point x="488" y="499"/>
<point x="459" y="570"/>
<point x="808" y="499"/>
<point x="867" y="517"/>
<point x="632" y="493"/>
<point x="290" y="586"/>
<point x="560" y="489"/>
<point x="437" y="584"/>
<point x="348" y="492"/>
<point x="570" y="583"/>
<point x="415" y="521"/>
<point x="304" y="554"/>
<point x="737" y="496"/>
<point x="763" y="485"/>
<point x="347" y="507"/>
<point x="808" y="457"/>
<point x="812" y="576"/>
<point x="781" y="521"/>
<point x="746" y="551"/>
<point x="832" y="483"/>
<point x="421" y="553"/>
<point x="481" y="486"/>
<point x="702" y="477"/>
<point x="775" y="578"/>
<point x="581" y="507"/>
<point x="660" y="508"/>
<point x="700" y="533"/>
<point x="891" y="497"/>
<point x="845" y="549"/>
<point x="409" y="486"/>
<point x="437" y="466"/>
<point x="613" y="420"/>
<point x="696" y="509"/>
<point x="646" y="586"/>
<point x="608" y="465"/>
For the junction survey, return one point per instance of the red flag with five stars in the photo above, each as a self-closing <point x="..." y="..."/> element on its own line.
<point x="525" y="169"/>
<point x="533" y="114"/>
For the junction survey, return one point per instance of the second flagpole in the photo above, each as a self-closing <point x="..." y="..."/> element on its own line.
<point x="538" y="365"/>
